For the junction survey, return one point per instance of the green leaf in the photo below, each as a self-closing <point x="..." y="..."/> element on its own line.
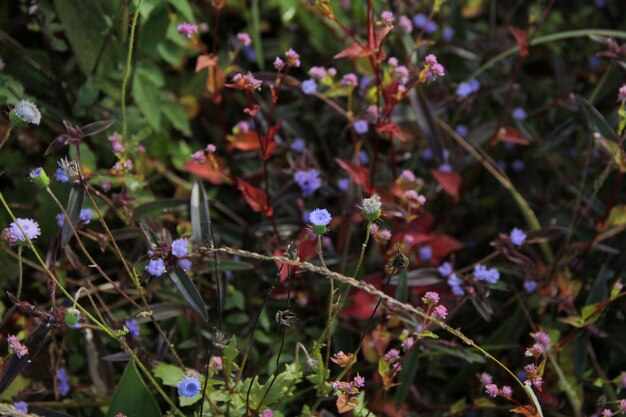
<point x="74" y="205"/>
<point x="189" y="292"/>
<point x="230" y="265"/>
<point x="200" y="215"/>
<point x="596" y="121"/>
<point x="617" y="216"/>
<point x="132" y="397"/>
<point x="169" y="374"/>
<point x="184" y="9"/>
<point x="147" y="99"/>
<point x="407" y="376"/>
<point x="175" y="113"/>
<point x="402" y="287"/>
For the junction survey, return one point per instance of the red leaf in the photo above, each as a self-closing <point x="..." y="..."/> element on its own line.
<point x="212" y="171"/>
<point x="392" y="128"/>
<point x="512" y="135"/>
<point x="255" y="197"/>
<point x="442" y="246"/>
<point x="244" y="141"/>
<point x="361" y="307"/>
<point x="521" y="38"/>
<point x="205" y="61"/>
<point x="449" y="181"/>
<point x="354" y="51"/>
<point x="270" y="143"/>
<point x="359" y="173"/>
<point x="528" y="411"/>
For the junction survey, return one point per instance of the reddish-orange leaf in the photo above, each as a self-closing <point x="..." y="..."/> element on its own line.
<point x="528" y="411"/>
<point x="359" y="173"/>
<point x="346" y="403"/>
<point x="393" y="129"/>
<point x="449" y="181"/>
<point x="512" y="135"/>
<point x="212" y="171"/>
<point x="255" y="197"/>
<point x="442" y="246"/>
<point x="521" y="38"/>
<point x="244" y="141"/>
<point x="270" y="143"/>
<point x="354" y="51"/>
<point x="205" y="61"/>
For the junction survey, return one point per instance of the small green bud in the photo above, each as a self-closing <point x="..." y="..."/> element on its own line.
<point x="319" y="230"/>
<point x="71" y="317"/>
<point x="39" y="177"/>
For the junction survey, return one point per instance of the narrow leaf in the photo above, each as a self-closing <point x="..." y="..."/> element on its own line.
<point x="74" y="205"/>
<point x="96" y="127"/>
<point x="200" y="215"/>
<point x="189" y="292"/>
<point x="596" y="121"/>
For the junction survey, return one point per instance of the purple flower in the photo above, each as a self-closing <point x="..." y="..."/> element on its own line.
<point x="60" y="176"/>
<point x="267" y="413"/>
<point x="180" y="247"/>
<point x="187" y="29"/>
<point x="60" y="218"/>
<point x="455" y="285"/>
<point x="189" y="387"/>
<point x="186" y="264"/>
<point x="445" y="269"/>
<point x="244" y="38"/>
<point x="447" y="34"/>
<point x="392" y="354"/>
<point x="427" y="154"/>
<point x="485" y="378"/>
<point x="594" y="62"/>
<point x="363" y="158"/>
<point x="433" y="68"/>
<point x="156" y="267"/>
<point x="350" y="80"/>
<point x="530" y="286"/>
<point x="517" y="237"/>
<point x="506" y="391"/>
<point x="320" y="217"/>
<point x="343" y="183"/>
<point x="491" y="275"/>
<point x="519" y="113"/>
<point x="387" y="18"/>
<point x="461" y="130"/>
<point x="426" y="253"/>
<point x="28" y="226"/>
<point x="309" y="86"/>
<point x="63" y="381"/>
<point x="85" y="215"/>
<point x="492" y="390"/>
<point x="420" y="20"/>
<point x="133" y="327"/>
<point x="440" y="312"/>
<point x="298" y="145"/>
<point x="445" y="167"/>
<point x="359" y="381"/>
<point x="431" y="27"/>
<point x="599" y="3"/>
<point x="279" y="64"/>
<point x="463" y="90"/>
<point x="309" y="181"/>
<point x="518" y="165"/>
<point x="360" y="126"/>
<point x="293" y="58"/>
<point x="21" y="406"/>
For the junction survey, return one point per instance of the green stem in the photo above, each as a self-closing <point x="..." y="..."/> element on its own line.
<point x="20" y="273"/>
<point x="6" y="136"/>
<point x="127" y="69"/>
<point x="547" y="39"/>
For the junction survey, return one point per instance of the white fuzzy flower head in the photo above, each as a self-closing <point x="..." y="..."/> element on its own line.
<point x="372" y="207"/>
<point x="27" y="112"/>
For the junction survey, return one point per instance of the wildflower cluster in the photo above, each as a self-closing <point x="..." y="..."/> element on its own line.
<point x="167" y="257"/>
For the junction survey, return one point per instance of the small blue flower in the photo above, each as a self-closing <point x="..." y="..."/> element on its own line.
<point x="63" y="381"/>
<point x="363" y="158"/>
<point x="309" y="181"/>
<point x="85" y="215"/>
<point x="488" y="275"/>
<point x="463" y="90"/>
<point x="427" y="154"/>
<point x="298" y="145"/>
<point x="343" y="183"/>
<point x="455" y="285"/>
<point x="447" y="34"/>
<point x="420" y="20"/>
<point x="599" y="3"/>
<point x="189" y="387"/>
<point x="27" y="111"/>
<point x="21" y="406"/>
<point x="445" y="168"/>
<point x="474" y="84"/>
<point x="445" y="269"/>
<point x="518" y="165"/>
<point x="431" y="27"/>
<point x="320" y="217"/>
<point x="594" y="62"/>
<point x="156" y="267"/>
<point x="530" y="286"/>
<point x="60" y="176"/>
<point x="461" y="130"/>
<point x="517" y="237"/>
<point x="133" y="327"/>
<point x="519" y="113"/>
<point x="360" y="126"/>
<point x="185" y="264"/>
<point x="60" y="218"/>
<point x="309" y="86"/>
<point x="30" y="227"/>
<point x="426" y="253"/>
<point x="180" y="247"/>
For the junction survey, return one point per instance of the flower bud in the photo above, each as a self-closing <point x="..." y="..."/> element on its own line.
<point x="39" y="177"/>
<point x="72" y="316"/>
<point x="372" y="208"/>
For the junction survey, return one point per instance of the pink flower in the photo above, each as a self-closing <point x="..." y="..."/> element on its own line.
<point x="393" y="61"/>
<point x="217" y="363"/>
<point x="402" y="74"/>
<point x="187" y="29"/>
<point x="16" y="347"/>
<point x="243" y="126"/>
<point x="534" y="351"/>
<point x="622" y="406"/>
<point x="293" y="58"/>
<point x="350" y="80"/>
<point x="244" y="38"/>
<point x="412" y="195"/>
<point x="387" y="18"/>
<point x="408" y="343"/>
<point x="607" y="413"/>
<point x="407" y="175"/>
<point x="392" y="354"/>
<point x="405" y="24"/>
<point x="621" y="95"/>
<point x="279" y="64"/>
<point x="543" y="338"/>
<point x="318" y="73"/>
<point x="246" y="82"/>
<point x="506" y="391"/>
<point x="485" y="378"/>
<point x="198" y="156"/>
<point x="385" y="234"/>
<point x="492" y="390"/>
<point x="441" y="312"/>
<point x="433" y="68"/>
<point x="267" y="413"/>
<point x="359" y="381"/>
<point x="332" y="71"/>
<point x="210" y="148"/>
<point x="431" y="297"/>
